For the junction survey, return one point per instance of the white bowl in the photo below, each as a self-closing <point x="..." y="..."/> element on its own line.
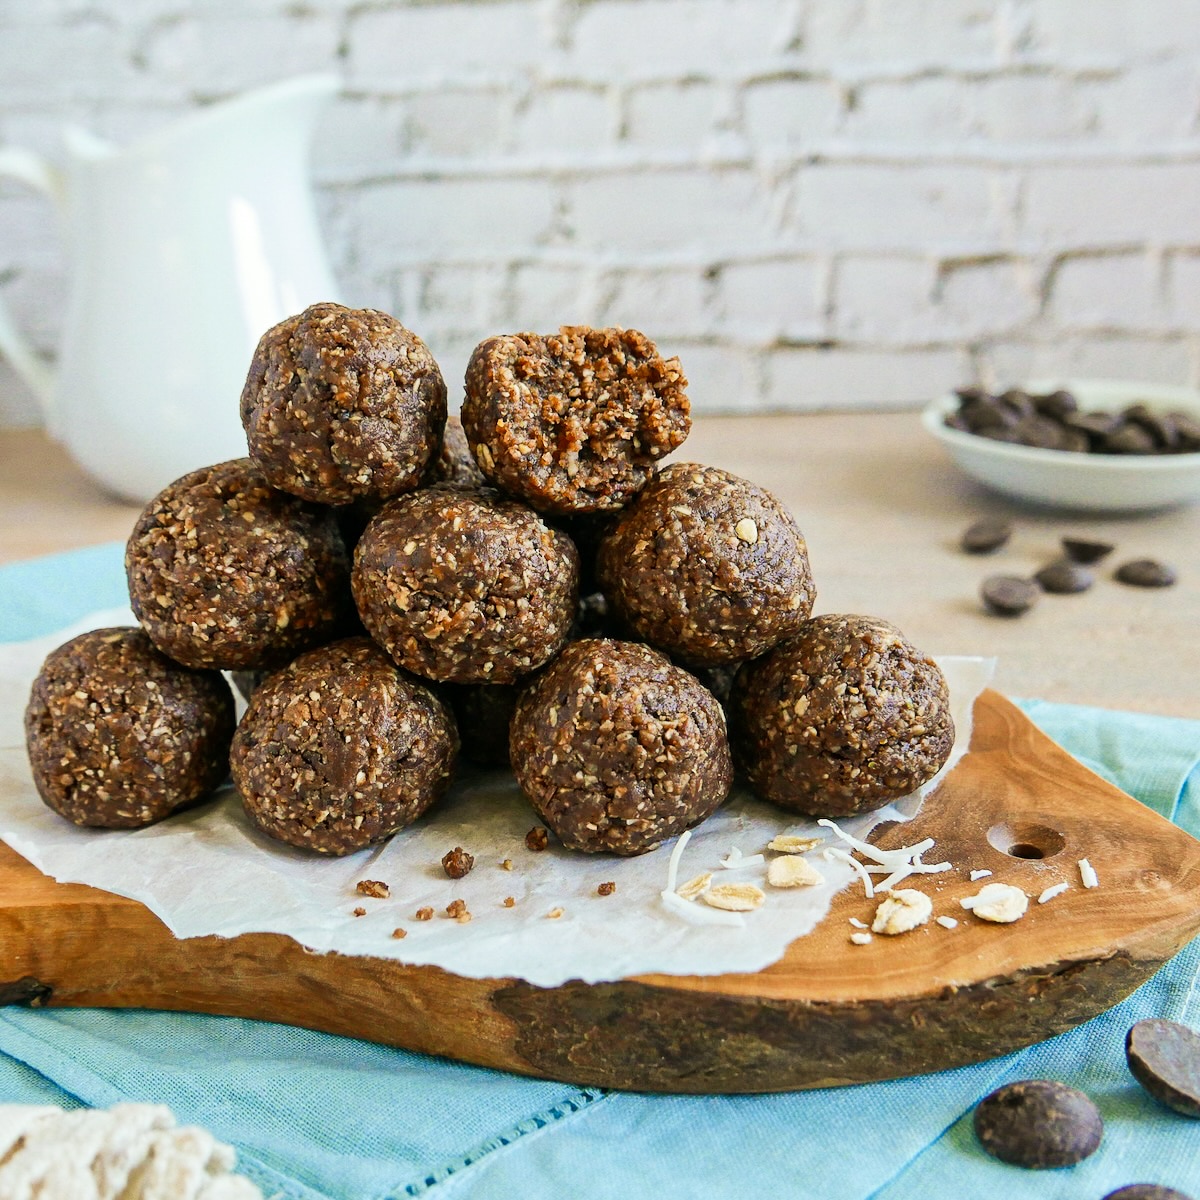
<point x="1068" y="479"/>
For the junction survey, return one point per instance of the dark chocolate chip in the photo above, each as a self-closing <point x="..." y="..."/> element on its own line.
<point x="1164" y="1057"/>
<point x="1064" y="578"/>
<point x="1188" y="430"/>
<point x="1129" y="439"/>
<point x="1146" y="572"/>
<point x="1147" y="1191"/>
<point x="1082" y="550"/>
<point x="986" y="536"/>
<point x="1008" y="595"/>
<point x="1038" y="1123"/>
<point x="1039" y="432"/>
<point x="1018" y="401"/>
<point x="1058" y="404"/>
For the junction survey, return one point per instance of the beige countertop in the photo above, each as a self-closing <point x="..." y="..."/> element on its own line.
<point x="882" y="509"/>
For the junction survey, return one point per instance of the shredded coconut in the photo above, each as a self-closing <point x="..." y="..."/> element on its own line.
<point x="1087" y="873"/>
<point x="861" y="939"/>
<point x="698" y="914"/>
<point x="673" y="863"/>
<point x="979" y="875"/>
<point x="859" y="924"/>
<point x="947" y="922"/>
<point x="742" y="861"/>
<point x="833" y="854"/>
<point x="1051" y="892"/>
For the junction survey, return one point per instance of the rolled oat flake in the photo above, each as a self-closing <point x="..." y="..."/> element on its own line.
<point x="1038" y="1123"/>
<point x="1164" y="1057"/>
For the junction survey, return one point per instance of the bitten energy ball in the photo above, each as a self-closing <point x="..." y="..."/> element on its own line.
<point x="340" y="749"/>
<point x="573" y="421"/>
<point x="617" y="749"/>
<point x="842" y="718"/>
<point x="342" y="404"/>
<point x="226" y="572"/>
<point x="120" y="736"/>
<point x="465" y="587"/>
<point x="707" y="566"/>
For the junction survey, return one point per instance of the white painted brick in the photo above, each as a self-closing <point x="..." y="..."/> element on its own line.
<point x="885" y="299"/>
<point x="1113" y="31"/>
<point x="434" y="45"/>
<point x="913" y="111"/>
<point x="849" y="377"/>
<point x="1089" y="356"/>
<point x="565" y="121"/>
<point x="50" y="63"/>
<point x="982" y="298"/>
<point x="1159" y="102"/>
<point x="851" y="35"/>
<point x="458" y="122"/>
<point x="663" y="303"/>
<point x="1113" y="203"/>
<point x="1026" y="108"/>
<point x="359" y="136"/>
<point x="669" y="39"/>
<point x="1183" y="290"/>
<point x="1107" y="291"/>
<point x="545" y="296"/>
<point x="684" y="211"/>
<point x="900" y="207"/>
<point x="721" y="377"/>
<point x="672" y="116"/>
<point x="790" y="113"/>
<point x="415" y="219"/>
<point x="461" y="298"/>
<point x="222" y="54"/>
<point x="785" y="298"/>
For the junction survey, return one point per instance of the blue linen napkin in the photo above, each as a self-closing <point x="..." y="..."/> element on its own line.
<point x="317" y="1117"/>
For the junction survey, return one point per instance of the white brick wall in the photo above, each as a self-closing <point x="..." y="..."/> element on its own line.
<point x="814" y="202"/>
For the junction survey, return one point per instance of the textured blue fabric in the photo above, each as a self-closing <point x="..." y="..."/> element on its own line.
<point x="316" y="1117"/>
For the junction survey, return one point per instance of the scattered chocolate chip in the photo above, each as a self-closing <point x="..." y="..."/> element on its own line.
<point x="1008" y="595"/>
<point x="1038" y="1123"/>
<point x="986" y="536"/>
<point x="606" y="889"/>
<point x="373" y="887"/>
<point x="1082" y="550"/>
<point x="457" y="862"/>
<point x="1064" y="578"/>
<point x="1146" y="572"/>
<point x="1164" y="1057"/>
<point x="1056" y="405"/>
<point x="537" y="838"/>
<point x="1147" y="1191"/>
<point x="1129" y="439"/>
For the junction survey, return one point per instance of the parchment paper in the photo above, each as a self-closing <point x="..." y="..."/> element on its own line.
<point x="208" y="871"/>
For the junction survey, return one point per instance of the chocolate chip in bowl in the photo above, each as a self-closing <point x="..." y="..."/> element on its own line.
<point x="1124" y="447"/>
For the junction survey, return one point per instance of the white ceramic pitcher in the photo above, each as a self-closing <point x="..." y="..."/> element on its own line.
<point x="182" y="249"/>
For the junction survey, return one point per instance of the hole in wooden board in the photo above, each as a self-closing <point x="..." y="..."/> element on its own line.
<point x="1026" y="841"/>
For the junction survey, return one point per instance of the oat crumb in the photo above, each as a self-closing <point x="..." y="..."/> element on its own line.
<point x="463" y="918"/>
<point x="606" y="889"/>
<point x="424" y="914"/>
<point x="509" y="901"/>
<point x="506" y="865"/>
<point x="456" y="908"/>
<point x="538" y="838"/>
<point x="373" y="887"/>
<point x="554" y="914"/>
<point x="359" y="912"/>
<point x="399" y="933"/>
<point x="457" y="862"/>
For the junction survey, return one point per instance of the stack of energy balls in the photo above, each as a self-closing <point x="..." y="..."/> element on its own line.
<point x="529" y="587"/>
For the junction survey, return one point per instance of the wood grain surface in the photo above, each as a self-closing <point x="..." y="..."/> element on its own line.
<point x="828" y="1012"/>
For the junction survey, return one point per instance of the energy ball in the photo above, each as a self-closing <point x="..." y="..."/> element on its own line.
<point x="574" y="421"/>
<point x="465" y="587"/>
<point x="340" y="749"/>
<point x="119" y="736"/>
<point x="617" y="749"/>
<point x="226" y="572"/>
<point x="842" y="718"/>
<point x="342" y="404"/>
<point x="707" y="566"/>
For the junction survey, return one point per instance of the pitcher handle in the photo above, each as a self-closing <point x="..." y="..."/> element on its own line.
<point x="38" y="174"/>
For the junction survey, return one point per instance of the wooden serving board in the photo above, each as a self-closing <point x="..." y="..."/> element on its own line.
<point x="829" y="1012"/>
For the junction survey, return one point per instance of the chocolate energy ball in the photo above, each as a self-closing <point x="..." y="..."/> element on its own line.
<point x="119" y="736"/>
<point x="617" y="749"/>
<point x="343" y="403"/>
<point x="340" y="749"/>
<point x="707" y="566"/>
<point x="454" y="466"/>
<point x="841" y="718"/>
<point x="574" y="421"/>
<point x="465" y="587"/>
<point x="226" y="572"/>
